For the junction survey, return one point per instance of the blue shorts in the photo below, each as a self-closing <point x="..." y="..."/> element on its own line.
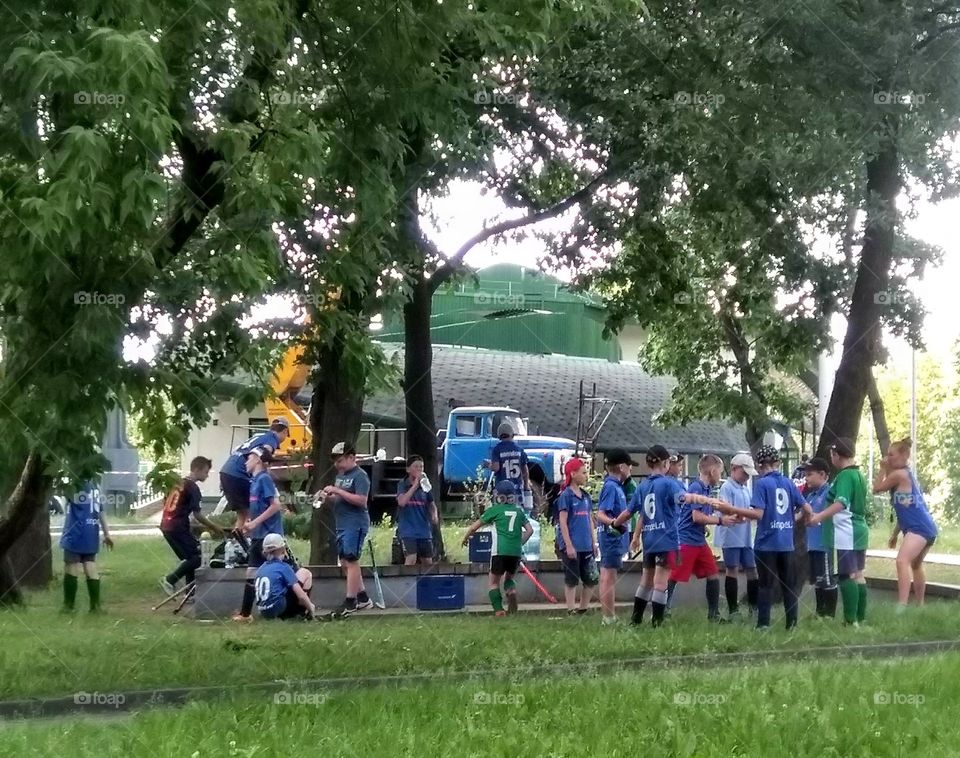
<point x="739" y="557"/>
<point x="350" y="543"/>
<point x="611" y="553"/>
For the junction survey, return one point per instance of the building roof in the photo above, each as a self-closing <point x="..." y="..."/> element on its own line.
<point x="545" y="389"/>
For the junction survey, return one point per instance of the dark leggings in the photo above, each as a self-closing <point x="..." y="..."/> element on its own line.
<point x="773" y="567"/>
<point x="187" y="549"/>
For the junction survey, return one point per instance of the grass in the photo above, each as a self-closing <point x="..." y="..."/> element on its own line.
<point x="837" y="709"/>
<point x="45" y="653"/>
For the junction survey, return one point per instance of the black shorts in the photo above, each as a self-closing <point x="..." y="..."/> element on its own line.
<point x="504" y="564"/>
<point x="851" y="561"/>
<point x="421" y="547"/>
<point x="666" y="559"/>
<point x="236" y="490"/>
<point x="820" y="567"/>
<point x="583" y="568"/>
<point x="71" y="557"/>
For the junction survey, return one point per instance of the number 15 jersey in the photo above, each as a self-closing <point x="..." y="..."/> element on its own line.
<point x="512" y="459"/>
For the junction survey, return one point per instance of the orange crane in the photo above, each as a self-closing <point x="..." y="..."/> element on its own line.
<point x="287" y="381"/>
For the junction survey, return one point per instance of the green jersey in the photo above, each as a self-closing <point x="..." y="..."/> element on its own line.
<point x="847" y="530"/>
<point x="508" y="521"/>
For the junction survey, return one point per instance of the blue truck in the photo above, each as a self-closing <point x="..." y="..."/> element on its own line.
<point x="471" y="434"/>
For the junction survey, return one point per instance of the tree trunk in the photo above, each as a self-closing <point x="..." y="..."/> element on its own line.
<point x="335" y="414"/>
<point x="417" y="377"/>
<point x="22" y="508"/>
<point x="879" y="415"/>
<point x="31" y="556"/>
<point x="873" y="275"/>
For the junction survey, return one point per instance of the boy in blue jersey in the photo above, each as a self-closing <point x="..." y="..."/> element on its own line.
<point x="349" y="494"/>
<point x="508" y="461"/>
<point x="736" y="541"/>
<point x="577" y="537"/>
<point x="776" y="505"/>
<point x="80" y="542"/>
<point x="416" y="515"/>
<point x="265" y="518"/>
<point x="234" y="478"/>
<point x="281" y="592"/>
<point x="612" y="515"/>
<point x="821" y="574"/>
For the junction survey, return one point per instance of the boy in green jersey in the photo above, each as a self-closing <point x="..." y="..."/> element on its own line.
<point x="845" y="529"/>
<point x="511" y="530"/>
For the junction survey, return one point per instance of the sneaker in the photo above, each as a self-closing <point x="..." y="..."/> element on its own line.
<point x="901" y="609"/>
<point x="166" y="586"/>
<point x="735" y="616"/>
<point x="763" y="629"/>
<point x="240" y="618"/>
<point x="611" y="621"/>
<point x="363" y="605"/>
<point x="498" y="614"/>
<point x="345" y="610"/>
<point x="852" y="624"/>
<point x="512" y="603"/>
<point x="717" y="620"/>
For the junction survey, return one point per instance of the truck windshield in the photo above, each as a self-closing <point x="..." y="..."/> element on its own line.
<point x="519" y="427"/>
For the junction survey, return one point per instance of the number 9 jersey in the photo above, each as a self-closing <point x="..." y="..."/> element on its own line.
<point x="658" y="500"/>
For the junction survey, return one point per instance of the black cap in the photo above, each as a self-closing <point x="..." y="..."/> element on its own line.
<point x="817" y="464"/>
<point x="617" y="456"/>
<point x="844" y="447"/>
<point x="767" y="454"/>
<point x="657" y="453"/>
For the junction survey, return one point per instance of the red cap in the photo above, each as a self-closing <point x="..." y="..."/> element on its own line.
<point x="574" y="464"/>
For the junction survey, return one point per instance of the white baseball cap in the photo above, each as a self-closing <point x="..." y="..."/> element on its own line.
<point x="745" y="461"/>
<point x="342" y="448"/>
<point x="273" y="542"/>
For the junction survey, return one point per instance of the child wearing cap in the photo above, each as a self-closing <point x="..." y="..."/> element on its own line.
<point x="820" y="559"/>
<point x="913" y="519"/>
<point x="511" y="530"/>
<point x="736" y="540"/>
<point x="508" y="461"/>
<point x="577" y="537"/>
<point x="845" y="529"/>
<point x="234" y="477"/>
<point x="612" y="514"/>
<point x="281" y="592"/>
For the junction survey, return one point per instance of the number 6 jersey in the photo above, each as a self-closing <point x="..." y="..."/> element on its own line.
<point x="658" y="500"/>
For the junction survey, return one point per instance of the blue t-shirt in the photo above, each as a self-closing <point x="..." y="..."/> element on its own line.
<point x="657" y="500"/>
<point x="778" y="498"/>
<point x="273" y="580"/>
<point x="512" y="459"/>
<point x="236" y="464"/>
<point x="911" y="510"/>
<point x="692" y="533"/>
<point x="579" y="523"/>
<point x="613" y="502"/>
<point x="815" y="532"/>
<point x="350" y="516"/>
<point x="81" y="526"/>
<point x="413" y="519"/>
<point x="738" y="535"/>
<point x="262" y="491"/>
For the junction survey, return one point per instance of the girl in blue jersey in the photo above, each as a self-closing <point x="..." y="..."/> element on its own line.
<point x="81" y="543"/>
<point x="913" y="520"/>
<point x="577" y="537"/>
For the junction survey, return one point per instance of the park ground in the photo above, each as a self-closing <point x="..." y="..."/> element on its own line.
<point x="515" y="701"/>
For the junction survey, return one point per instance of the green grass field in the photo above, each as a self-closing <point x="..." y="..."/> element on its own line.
<point x="900" y="708"/>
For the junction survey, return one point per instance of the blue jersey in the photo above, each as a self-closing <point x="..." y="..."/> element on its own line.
<point x="692" y="533"/>
<point x="579" y="522"/>
<point x="413" y="519"/>
<point x="350" y="516"/>
<point x="738" y="535"/>
<point x="81" y="526"/>
<point x="512" y="459"/>
<point x="236" y="464"/>
<point x="657" y="499"/>
<point x="778" y="498"/>
<point x="911" y="510"/>
<point x="273" y="580"/>
<point x="613" y="502"/>
<point x="262" y="491"/>
<point x="817" y="500"/>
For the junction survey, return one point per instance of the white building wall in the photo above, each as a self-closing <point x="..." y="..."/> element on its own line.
<point x="215" y="441"/>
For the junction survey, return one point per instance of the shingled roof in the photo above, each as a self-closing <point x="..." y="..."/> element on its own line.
<point x="545" y="389"/>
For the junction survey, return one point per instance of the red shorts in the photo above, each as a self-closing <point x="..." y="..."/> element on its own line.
<point x="694" y="559"/>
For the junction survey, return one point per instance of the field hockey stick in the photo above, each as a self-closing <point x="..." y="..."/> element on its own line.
<point x="376" y="578"/>
<point x="543" y="590"/>
<point x="186" y="598"/>
<point x="175" y="595"/>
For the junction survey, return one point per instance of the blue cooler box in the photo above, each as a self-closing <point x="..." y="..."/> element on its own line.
<point x="480" y="547"/>
<point x="441" y="592"/>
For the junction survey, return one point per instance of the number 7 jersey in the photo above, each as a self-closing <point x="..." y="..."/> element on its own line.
<point x="508" y="521"/>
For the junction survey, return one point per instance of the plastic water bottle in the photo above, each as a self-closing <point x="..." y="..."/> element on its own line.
<point x="531" y="548"/>
<point x="230" y="550"/>
<point x="381" y="454"/>
<point x="425" y="484"/>
<point x="206" y="552"/>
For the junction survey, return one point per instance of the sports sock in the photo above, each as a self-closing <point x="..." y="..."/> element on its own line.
<point x="731" y="590"/>
<point x="246" y="607"/>
<point x="640" y="601"/>
<point x="862" y="602"/>
<point x="70" y="585"/>
<point x="496" y="599"/>
<point x="851" y="599"/>
<point x="753" y="592"/>
<point x="713" y="598"/>
<point x="93" y="590"/>
<point x="818" y="593"/>
<point x="671" y="589"/>
<point x="659" y="601"/>
<point x="362" y="596"/>
<point x="830" y="595"/>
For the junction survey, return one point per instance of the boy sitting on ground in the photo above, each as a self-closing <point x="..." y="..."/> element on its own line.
<point x="281" y="592"/>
